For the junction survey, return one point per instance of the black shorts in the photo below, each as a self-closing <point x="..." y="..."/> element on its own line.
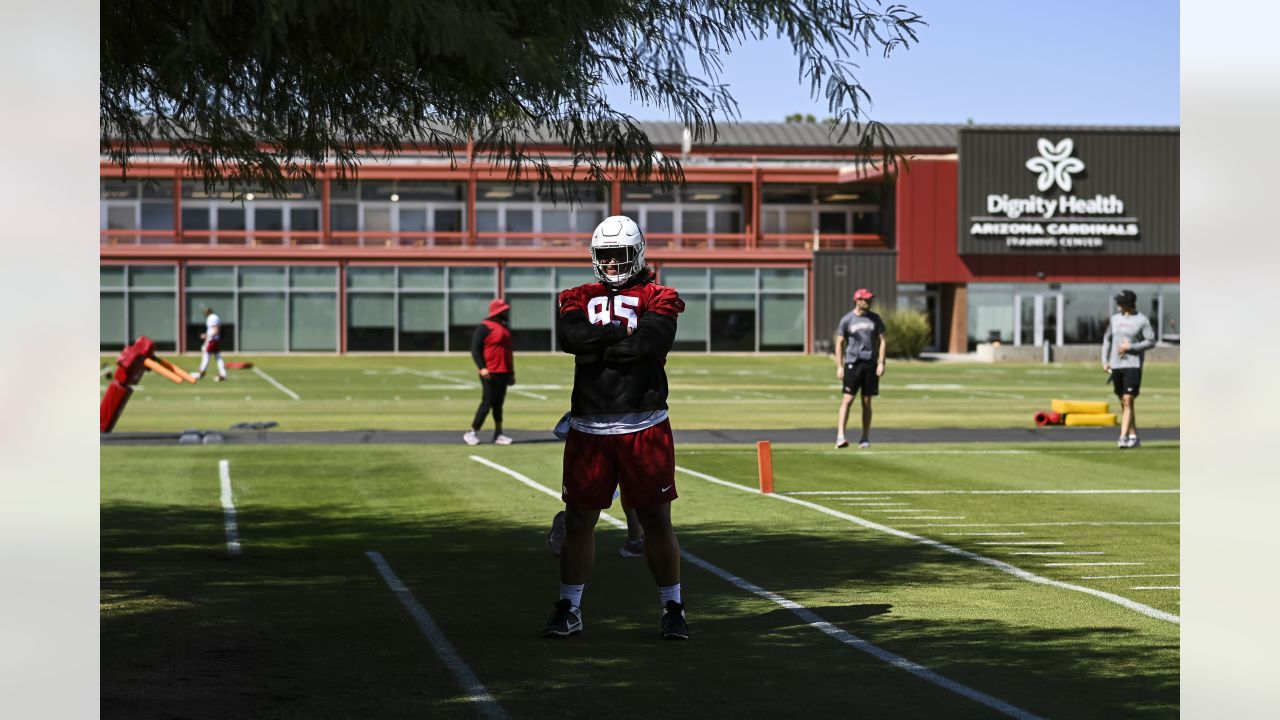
<point x="1127" y="381"/>
<point x="861" y="376"/>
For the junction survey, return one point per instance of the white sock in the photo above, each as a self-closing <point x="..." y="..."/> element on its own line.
<point x="671" y="592"/>
<point x="573" y="593"/>
<point x="222" y="368"/>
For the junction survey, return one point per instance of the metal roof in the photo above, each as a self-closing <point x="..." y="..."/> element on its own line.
<point x="804" y="135"/>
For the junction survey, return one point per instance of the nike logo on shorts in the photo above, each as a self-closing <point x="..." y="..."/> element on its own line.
<point x="665" y="489"/>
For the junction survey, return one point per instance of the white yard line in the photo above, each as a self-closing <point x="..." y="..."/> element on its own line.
<point x="1117" y="577"/>
<point x="991" y="562"/>
<point x="1089" y="564"/>
<point x="228" y="509"/>
<point x="1050" y="524"/>
<point x="485" y="704"/>
<point x="983" y="533"/>
<point x="979" y="492"/>
<point x="809" y="617"/>
<point x="874" y="504"/>
<point x="1069" y="552"/>
<point x="535" y="396"/>
<point x="257" y="370"/>
<point x="921" y="517"/>
<point x="1024" y="542"/>
<point x="1157" y="587"/>
<point x="902" y="509"/>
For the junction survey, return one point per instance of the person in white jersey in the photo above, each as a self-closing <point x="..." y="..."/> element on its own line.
<point x="211" y="336"/>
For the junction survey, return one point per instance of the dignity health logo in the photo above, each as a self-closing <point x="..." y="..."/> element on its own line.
<point x="1055" y="164"/>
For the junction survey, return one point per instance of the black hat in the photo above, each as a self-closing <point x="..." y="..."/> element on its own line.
<point x="1127" y="298"/>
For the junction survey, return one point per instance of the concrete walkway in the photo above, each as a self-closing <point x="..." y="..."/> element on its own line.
<point x="735" y="437"/>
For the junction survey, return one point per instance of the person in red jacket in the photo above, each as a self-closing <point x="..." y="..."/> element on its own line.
<point x="619" y="331"/>
<point x="491" y="352"/>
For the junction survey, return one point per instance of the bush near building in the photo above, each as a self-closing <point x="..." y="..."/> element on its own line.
<point x="906" y="333"/>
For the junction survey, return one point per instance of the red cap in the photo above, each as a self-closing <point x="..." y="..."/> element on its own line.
<point x="863" y="294"/>
<point x="498" y="305"/>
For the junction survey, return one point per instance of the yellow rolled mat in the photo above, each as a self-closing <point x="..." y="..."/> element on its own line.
<point x="1079" y="406"/>
<point x="1090" y="419"/>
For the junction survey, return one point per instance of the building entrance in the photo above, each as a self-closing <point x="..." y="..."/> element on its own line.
<point x="1037" y="317"/>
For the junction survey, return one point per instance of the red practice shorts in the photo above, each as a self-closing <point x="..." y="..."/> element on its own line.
<point x="211" y="346"/>
<point x="643" y="463"/>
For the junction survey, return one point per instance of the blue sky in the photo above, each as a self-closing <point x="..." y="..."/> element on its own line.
<point x="995" y="61"/>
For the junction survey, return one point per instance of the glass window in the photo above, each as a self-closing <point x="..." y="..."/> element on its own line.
<point x="725" y="194"/>
<point x="782" y="322"/>
<point x="344" y="217"/>
<point x="799" y="221"/>
<point x="153" y="276"/>
<point x="377" y="189"/>
<point x="313" y="276"/>
<point x="691" y="330"/>
<point x="230" y="218"/>
<point x="474" y="278"/>
<point x="122" y="217"/>
<point x="313" y="321"/>
<point x="519" y="221"/>
<point x="636" y="194"/>
<point x="211" y="276"/>
<point x="377" y="219"/>
<point x="569" y="277"/>
<point x="340" y="191"/>
<point x="268" y="219"/>
<point x="413" y="219"/>
<point x="733" y="279"/>
<point x="556" y="221"/>
<point x="419" y="190"/>
<point x="422" y="322"/>
<point x="195" y="218"/>
<point x="772" y="221"/>
<point x="466" y="310"/>
<point x="528" y="278"/>
<point x="157" y="216"/>
<point x="728" y="221"/>
<point x="378" y="276"/>
<point x="223" y="304"/>
<point x="685" y="278"/>
<point x="422" y="278"/>
<point x="448" y="220"/>
<point x="832" y="222"/>
<point x="487" y="221"/>
<point x="733" y="323"/>
<point x="371" y="321"/>
<point x="111" y="276"/>
<point x="532" y="320"/>
<point x="1170" y="315"/>
<point x="589" y="218"/>
<point x="154" y="314"/>
<point x="781" y="279"/>
<point x="787" y="194"/>
<point x="118" y="189"/>
<point x="305" y="219"/>
<point x="262" y="276"/>
<point x="694" y="221"/>
<point x="1086" y="311"/>
<point x="262" y="321"/>
<point x="504" y="192"/>
<point x="659" y="221"/>
<point x="990" y="313"/>
<point x="111" y="325"/>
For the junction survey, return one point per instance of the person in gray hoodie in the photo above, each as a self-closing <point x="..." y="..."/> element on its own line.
<point x="1128" y="337"/>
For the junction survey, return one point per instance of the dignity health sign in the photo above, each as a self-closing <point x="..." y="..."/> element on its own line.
<point x="1068" y="191"/>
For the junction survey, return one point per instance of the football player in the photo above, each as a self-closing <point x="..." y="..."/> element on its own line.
<point x="1128" y="337"/>
<point x="619" y="330"/>
<point x="211" y="336"/>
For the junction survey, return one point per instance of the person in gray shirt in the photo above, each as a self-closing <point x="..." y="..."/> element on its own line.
<point x="1128" y="337"/>
<point x="859" y="362"/>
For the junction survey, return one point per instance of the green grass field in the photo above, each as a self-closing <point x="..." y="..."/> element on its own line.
<point x="440" y="393"/>
<point x="302" y="625"/>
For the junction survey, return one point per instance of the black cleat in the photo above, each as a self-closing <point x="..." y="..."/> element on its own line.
<point x="674" y="626"/>
<point x="565" y="621"/>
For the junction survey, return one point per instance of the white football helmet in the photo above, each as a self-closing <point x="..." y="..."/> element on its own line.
<point x="617" y="250"/>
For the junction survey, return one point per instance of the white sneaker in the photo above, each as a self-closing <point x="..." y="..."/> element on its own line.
<point x="502" y="440"/>
<point x="864" y="443"/>
<point x="632" y="549"/>
<point x="470" y="438"/>
<point x="197" y="375"/>
<point x="841" y="442"/>
<point x="1123" y="443"/>
<point x="1134" y="441"/>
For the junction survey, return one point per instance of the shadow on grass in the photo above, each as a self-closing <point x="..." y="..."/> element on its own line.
<point x="302" y="626"/>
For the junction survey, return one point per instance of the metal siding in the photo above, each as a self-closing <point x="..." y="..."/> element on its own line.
<point x="1138" y="166"/>
<point x="833" y="293"/>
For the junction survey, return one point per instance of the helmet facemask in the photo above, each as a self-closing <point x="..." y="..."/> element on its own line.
<point x="617" y="264"/>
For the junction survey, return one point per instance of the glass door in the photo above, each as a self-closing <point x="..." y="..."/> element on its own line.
<point x="1037" y="317"/>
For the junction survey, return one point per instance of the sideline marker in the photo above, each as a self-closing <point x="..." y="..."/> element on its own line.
<point x="764" y="458"/>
